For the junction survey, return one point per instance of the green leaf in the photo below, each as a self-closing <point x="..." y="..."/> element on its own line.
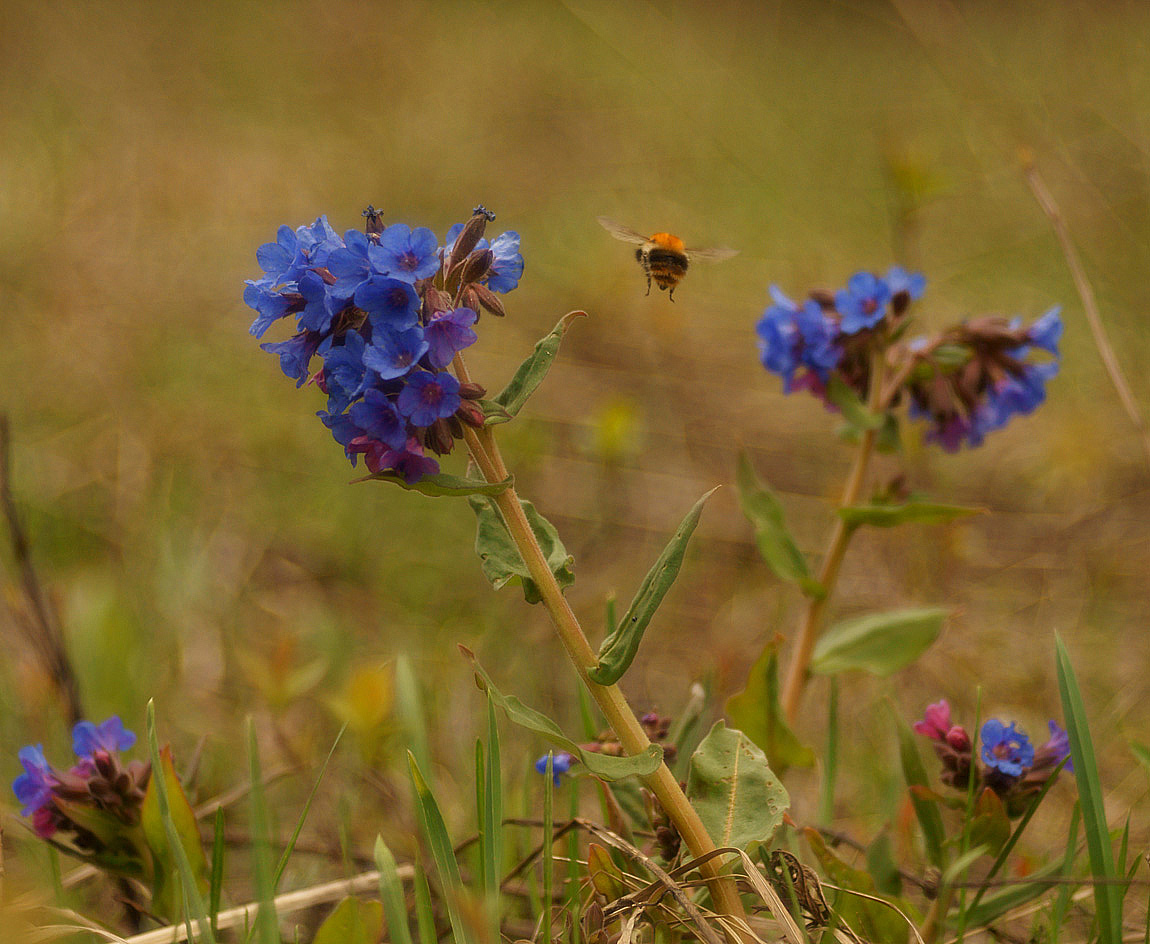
<point x="1107" y="893"/>
<point x="508" y="402"/>
<point x="266" y="925"/>
<point x="731" y="785"/>
<point x="353" y="922"/>
<point x="914" y="773"/>
<point x="169" y="826"/>
<point x="990" y="826"/>
<point x="757" y="713"/>
<point x="1141" y="753"/>
<point x="391" y="894"/>
<point x="290" y="847"/>
<point x="854" y="411"/>
<point x="765" y="512"/>
<point x="917" y="512"/>
<point x="995" y="904"/>
<point x="442" y="851"/>
<point x="442" y="485"/>
<point x="879" y="643"/>
<point x="871" y="920"/>
<point x="881" y="865"/>
<point x="622" y="644"/>
<point x="501" y="560"/>
<point x="601" y="765"/>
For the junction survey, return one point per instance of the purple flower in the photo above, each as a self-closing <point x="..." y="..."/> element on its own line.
<point x="428" y="397"/>
<point x="33" y="788"/>
<point x="862" y="303"/>
<point x="378" y="419"/>
<point x="110" y="736"/>
<point x="295" y="354"/>
<point x="1057" y="748"/>
<point x="1046" y="332"/>
<point x="507" y="267"/>
<point x="1004" y="748"/>
<point x="407" y="254"/>
<point x="410" y="462"/>
<point x="391" y="304"/>
<point x="560" y="763"/>
<point x="935" y="722"/>
<point x="448" y="332"/>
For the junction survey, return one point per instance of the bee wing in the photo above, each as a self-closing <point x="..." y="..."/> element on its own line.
<point x="712" y="255"/>
<point x="619" y="231"/>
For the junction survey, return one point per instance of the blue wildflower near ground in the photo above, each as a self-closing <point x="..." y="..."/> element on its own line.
<point x="561" y="762"/>
<point x="1004" y="748"/>
<point x="387" y="311"/>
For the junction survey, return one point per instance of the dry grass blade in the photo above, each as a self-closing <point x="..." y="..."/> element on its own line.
<point x="791" y="930"/>
<point x="1089" y="303"/>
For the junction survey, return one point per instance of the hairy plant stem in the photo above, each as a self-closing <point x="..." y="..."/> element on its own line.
<point x="619" y="714"/>
<point x="798" y="669"/>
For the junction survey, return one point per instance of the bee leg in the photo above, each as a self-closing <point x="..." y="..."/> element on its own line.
<point x="671" y="294"/>
<point x="648" y="286"/>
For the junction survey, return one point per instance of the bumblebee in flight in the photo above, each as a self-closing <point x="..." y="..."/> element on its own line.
<point x="663" y="257"/>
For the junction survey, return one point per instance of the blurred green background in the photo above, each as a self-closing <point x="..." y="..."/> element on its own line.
<point x="194" y="521"/>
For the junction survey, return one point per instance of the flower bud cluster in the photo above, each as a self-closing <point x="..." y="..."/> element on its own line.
<point x="966" y="381"/>
<point x="58" y="802"/>
<point x="386" y="310"/>
<point x="1011" y="765"/>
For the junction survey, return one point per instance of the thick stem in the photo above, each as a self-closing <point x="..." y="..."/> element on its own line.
<point x="798" y="669"/>
<point x="610" y="698"/>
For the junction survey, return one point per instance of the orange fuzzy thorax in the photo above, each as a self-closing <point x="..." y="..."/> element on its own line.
<point x="667" y="241"/>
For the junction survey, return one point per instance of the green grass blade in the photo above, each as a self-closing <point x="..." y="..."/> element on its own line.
<point x="409" y="707"/>
<point x="548" y="862"/>
<point x="493" y="820"/>
<point x="1062" y="899"/>
<point x="391" y="894"/>
<point x="425" y="916"/>
<point x="266" y="925"/>
<point x="914" y="773"/>
<point x="303" y="814"/>
<point x="442" y="851"/>
<point x="830" y="762"/>
<point x="216" y="886"/>
<point x="193" y="901"/>
<point x="1107" y="895"/>
<point x="572" y="888"/>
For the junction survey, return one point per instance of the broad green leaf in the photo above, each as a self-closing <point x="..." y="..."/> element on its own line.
<point x="854" y="411"/>
<point x="353" y="922"/>
<point x="501" y="559"/>
<point x="757" y="713"/>
<point x="603" y="766"/>
<point x="731" y="785"/>
<point x="442" y="485"/>
<point x="871" y="920"/>
<point x="621" y="645"/>
<point x="442" y="851"/>
<point x="990" y="826"/>
<point x="914" y="773"/>
<point x="391" y="894"/>
<point x="169" y="825"/>
<point x="765" y="512"/>
<point x="507" y="403"/>
<point x="917" y="512"/>
<point x="881" y="865"/>
<point x="879" y="643"/>
<point x="1107" y="893"/>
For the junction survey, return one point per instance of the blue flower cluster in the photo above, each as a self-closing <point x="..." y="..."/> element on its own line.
<point x="386" y="311"/>
<point x="96" y="776"/>
<point x="966" y="382"/>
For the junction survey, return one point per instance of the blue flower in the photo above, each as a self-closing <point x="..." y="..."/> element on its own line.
<point x="560" y="763"/>
<point x="394" y="354"/>
<point x="350" y="265"/>
<point x="34" y="787"/>
<point x="271" y="306"/>
<point x="407" y="254"/>
<point x="410" y="462"/>
<point x="110" y="735"/>
<point x="295" y="354"/>
<point x="507" y="267"/>
<point x="448" y="332"/>
<point x="899" y="280"/>
<point x="1058" y="747"/>
<point x="1046" y="332"/>
<point x="862" y="303"/>
<point x="1004" y="748"/>
<point x="390" y="303"/>
<point x="344" y="372"/>
<point x="428" y="397"/>
<point x="378" y="418"/>
<point x="791" y="337"/>
<point x="343" y="430"/>
<point x="320" y="307"/>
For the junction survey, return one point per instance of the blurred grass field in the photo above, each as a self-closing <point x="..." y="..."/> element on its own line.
<point x="194" y="520"/>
